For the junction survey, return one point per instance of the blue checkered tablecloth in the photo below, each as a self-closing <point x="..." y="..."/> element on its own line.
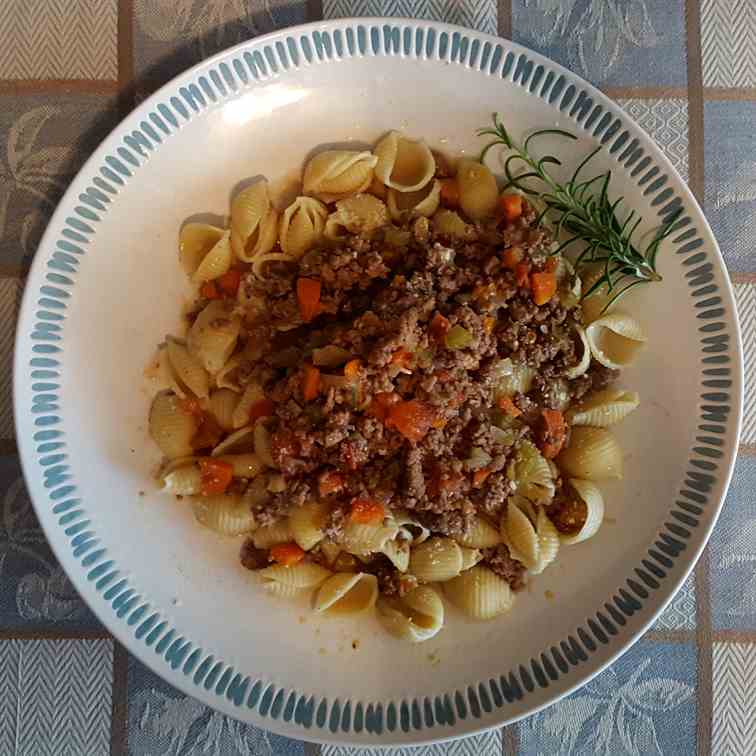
<point x="70" y="69"/>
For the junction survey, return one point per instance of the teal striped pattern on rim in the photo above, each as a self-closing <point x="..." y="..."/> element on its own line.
<point x="259" y="61"/>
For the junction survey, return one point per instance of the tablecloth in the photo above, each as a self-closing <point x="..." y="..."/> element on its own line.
<point x="70" y="69"/>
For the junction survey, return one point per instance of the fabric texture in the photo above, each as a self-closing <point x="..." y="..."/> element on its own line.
<point x="70" y="69"/>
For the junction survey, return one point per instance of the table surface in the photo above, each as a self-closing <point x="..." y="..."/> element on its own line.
<point x="71" y="69"/>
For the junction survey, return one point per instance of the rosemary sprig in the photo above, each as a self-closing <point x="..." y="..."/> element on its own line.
<point x="582" y="211"/>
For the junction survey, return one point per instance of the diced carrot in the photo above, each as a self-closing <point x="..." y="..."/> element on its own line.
<point x="379" y="406"/>
<point x="551" y="264"/>
<point x="215" y="476"/>
<point x="352" y="369"/>
<point x="450" y="192"/>
<point x="229" y="282"/>
<point x="543" y="285"/>
<point x="330" y="482"/>
<point x="310" y="382"/>
<point x="209" y="290"/>
<point x="554" y="433"/>
<point x="402" y="358"/>
<point x="439" y="327"/>
<point x="511" y="205"/>
<point x="367" y="511"/>
<point x="308" y="297"/>
<point x="191" y="406"/>
<point x="479" y="477"/>
<point x="261" y="408"/>
<point x="522" y="271"/>
<point x="413" y="418"/>
<point x="442" y="481"/>
<point x="286" y="554"/>
<point x="511" y="256"/>
<point x="508" y="406"/>
<point x="489" y="324"/>
<point x="439" y="423"/>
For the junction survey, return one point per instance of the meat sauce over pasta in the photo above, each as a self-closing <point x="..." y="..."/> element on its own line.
<point x="392" y="388"/>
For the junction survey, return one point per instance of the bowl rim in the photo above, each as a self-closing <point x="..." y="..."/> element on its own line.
<point x="40" y="272"/>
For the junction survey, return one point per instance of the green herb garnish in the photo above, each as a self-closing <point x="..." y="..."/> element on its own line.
<point x="581" y="210"/>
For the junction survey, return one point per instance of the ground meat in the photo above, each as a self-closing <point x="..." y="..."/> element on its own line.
<point x="410" y="417"/>
<point x="499" y="560"/>
<point x="251" y="557"/>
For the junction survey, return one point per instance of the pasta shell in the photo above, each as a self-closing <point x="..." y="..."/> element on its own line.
<point x="256" y="249"/>
<point x="228" y="377"/>
<point x="594" y="503"/>
<point x="239" y="441"/>
<point x="378" y="189"/>
<point x="186" y="369"/>
<point x="244" y="465"/>
<point x="221" y="406"/>
<point x="248" y="208"/>
<point x="593" y="304"/>
<point x="521" y="536"/>
<point x="615" y="339"/>
<point x="422" y="203"/>
<point x="302" y="225"/>
<point x="404" y="164"/>
<point x="347" y="593"/>
<point x="279" y="590"/>
<point x="253" y="393"/>
<point x="604" y="408"/>
<point x="300" y="575"/>
<point x="415" y="617"/>
<point x="330" y="550"/>
<point x="307" y="523"/>
<point x="216" y="262"/>
<point x="479" y="593"/>
<point x="195" y="241"/>
<point x="436" y="560"/>
<point x="398" y="551"/>
<point x="183" y="481"/>
<point x="225" y="514"/>
<point x="171" y="427"/>
<point x="481" y="535"/>
<point x="270" y="535"/>
<point x="548" y="542"/>
<point x="410" y="528"/>
<point x="593" y="454"/>
<point x="478" y="192"/>
<point x="366" y="538"/>
<point x="449" y="223"/>
<point x="213" y="335"/>
<point x="256" y="494"/>
<point x="532" y="474"/>
<point x="335" y="174"/>
<point x="361" y="213"/>
<point x="470" y="557"/>
<point x="585" y="359"/>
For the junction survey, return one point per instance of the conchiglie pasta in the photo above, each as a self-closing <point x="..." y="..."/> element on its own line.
<point x="415" y="617"/>
<point x="478" y="193"/>
<point x="216" y="262"/>
<point x="307" y="523"/>
<point x="480" y="535"/>
<point x="335" y="174"/>
<point x="615" y="340"/>
<point x="520" y="535"/>
<point x="253" y="393"/>
<point x="225" y="514"/>
<point x="213" y="336"/>
<point x="593" y="505"/>
<point x="479" y="593"/>
<point x="593" y="454"/>
<point x="422" y="203"/>
<point x="188" y="372"/>
<point x="470" y="557"/>
<point x="404" y="164"/>
<point x="585" y="356"/>
<point x="300" y="575"/>
<point x="347" y="593"/>
<point x="171" y="426"/>
<point x="532" y="474"/>
<point x="195" y="241"/>
<point x="548" y="542"/>
<point x="184" y="480"/>
<point x="283" y="591"/>
<point x="410" y="528"/>
<point x="249" y="207"/>
<point x="604" y="408"/>
<point x="221" y="406"/>
<point x="436" y="560"/>
<point x="398" y="551"/>
<point x="243" y="465"/>
<point x="258" y="246"/>
<point x="229" y="376"/>
<point x="361" y="213"/>
<point x="238" y="442"/>
<point x="271" y="535"/>
<point x="366" y="538"/>
<point x="262" y="444"/>
<point x="302" y="225"/>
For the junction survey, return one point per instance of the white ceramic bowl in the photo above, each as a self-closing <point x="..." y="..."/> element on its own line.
<point x="106" y="286"/>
